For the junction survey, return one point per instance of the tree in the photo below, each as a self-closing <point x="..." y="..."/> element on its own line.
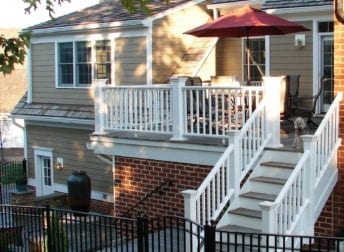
<point x="13" y="50"/>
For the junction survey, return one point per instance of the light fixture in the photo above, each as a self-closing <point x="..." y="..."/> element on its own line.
<point x="300" y="40"/>
<point x="59" y="163"/>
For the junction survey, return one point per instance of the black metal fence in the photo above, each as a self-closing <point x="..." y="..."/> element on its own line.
<point x="57" y="230"/>
<point x="10" y="172"/>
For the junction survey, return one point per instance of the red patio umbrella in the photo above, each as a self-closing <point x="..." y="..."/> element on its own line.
<point x="246" y="22"/>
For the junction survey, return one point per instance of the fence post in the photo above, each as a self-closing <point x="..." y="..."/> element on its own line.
<point x="235" y="165"/>
<point x="190" y="213"/>
<point x="178" y="108"/>
<point x="272" y="89"/>
<point x="49" y="231"/>
<point x="100" y="109"/>
<point x="209" y="238"/>
<point x="142" y="234"/>
<point x="24" y="163"/>
<point x="309" y="144"/>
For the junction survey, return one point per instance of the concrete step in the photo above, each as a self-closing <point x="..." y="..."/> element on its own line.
<point x="251" y="200"/>
<point x="276" y="169"/>
<point x="268" y="185"/>
<point x="245" y="217"/>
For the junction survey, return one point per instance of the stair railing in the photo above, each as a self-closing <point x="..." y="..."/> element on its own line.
<point x="159" y="189"/>
<point x="296" y="209"/>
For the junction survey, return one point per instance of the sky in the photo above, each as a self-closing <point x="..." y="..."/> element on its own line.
<point x="12" y="14"/>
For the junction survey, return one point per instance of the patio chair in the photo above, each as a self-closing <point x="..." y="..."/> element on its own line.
<point x="307" y="104"/>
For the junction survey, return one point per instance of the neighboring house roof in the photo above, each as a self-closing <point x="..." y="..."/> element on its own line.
<point x="106" y="12"/>
<point x="51" y="111"/>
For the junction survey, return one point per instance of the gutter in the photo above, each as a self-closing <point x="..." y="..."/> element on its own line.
<point x="95" y="26"/>
<point x="304" y="10"/>
<point x="234" y="4"/>
<point x="54" y="119"/>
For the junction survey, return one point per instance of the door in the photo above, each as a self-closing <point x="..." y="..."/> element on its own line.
<point x="44" y="172"/>
<point x="327" y="71"/>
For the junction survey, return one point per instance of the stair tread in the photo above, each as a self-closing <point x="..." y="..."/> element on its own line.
<point x="236" y="228"/>
<point x="278" y="164"/>
<point x="269" y="180"/>
<point x="284" y="149"/>
<point x="262" y="196"/>
<point x="246" y="212"/>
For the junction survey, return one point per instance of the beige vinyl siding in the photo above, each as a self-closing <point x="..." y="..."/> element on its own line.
<point x="43" y="80"/>
<point x="229" y="57"/>
<point x="287" y="59"/>
<point x="70" y="144"/>
<point x="169" y="42"/>
<point x="131" y="61"/>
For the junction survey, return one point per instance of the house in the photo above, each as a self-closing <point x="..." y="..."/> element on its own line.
<point x="12" y="88"/>
<point x="135" y="137"/>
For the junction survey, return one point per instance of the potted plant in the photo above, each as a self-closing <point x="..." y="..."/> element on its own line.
<point x="21" y="184"/>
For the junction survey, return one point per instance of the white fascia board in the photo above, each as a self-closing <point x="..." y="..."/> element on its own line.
<point x="172" y="10"/>
<point x="233" y="4"/>
<point x="54" y="119"/>
<point x="309" y="10"/>
<point x="89" y="27"/>
<point x="100" y="35"/>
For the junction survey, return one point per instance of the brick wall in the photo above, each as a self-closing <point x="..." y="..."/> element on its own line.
<point x="331" y="220"/>
<point x="137" y="177"/>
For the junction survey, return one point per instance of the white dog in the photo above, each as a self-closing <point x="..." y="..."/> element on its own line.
<point x="300" y="126"/>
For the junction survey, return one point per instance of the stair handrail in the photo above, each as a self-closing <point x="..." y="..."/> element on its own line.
<point x="297" y="195"/>
<point x="158" y="189"/>
<point x="206" y="203"/>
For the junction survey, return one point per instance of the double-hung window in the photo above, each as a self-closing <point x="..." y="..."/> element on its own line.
<point x="81" y="61"/>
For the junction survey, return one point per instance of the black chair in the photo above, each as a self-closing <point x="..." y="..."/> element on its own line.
<point x="307" y="104"/>
<point x="293" y="85"/>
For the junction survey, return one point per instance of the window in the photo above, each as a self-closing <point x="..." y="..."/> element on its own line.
<point x="257" y="59"/>
<point x="325" y="27"/>
<point x="103" y="60"/>
<point x="81" y="61"/>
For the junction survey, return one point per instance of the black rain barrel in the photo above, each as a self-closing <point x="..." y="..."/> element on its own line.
<point x="79" y="191"/>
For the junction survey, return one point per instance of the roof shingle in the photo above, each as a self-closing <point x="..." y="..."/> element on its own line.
<point x="105" y="12"/>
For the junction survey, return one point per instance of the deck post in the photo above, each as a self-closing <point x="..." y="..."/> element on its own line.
<point x="178" y="108"/>
<point x="272" y="89"/>
<point x="235" y="166"/>
<point x="99" y="106"/>
<point x="268" y="217"/>
<point x="190" y="214"/>
<point x="309" y="143"/>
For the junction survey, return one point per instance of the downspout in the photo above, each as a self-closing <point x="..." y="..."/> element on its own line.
<point x="149" y="52"/>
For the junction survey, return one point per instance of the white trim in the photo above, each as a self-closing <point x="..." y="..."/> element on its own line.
<point x="113" y="61"/>
<point x="138" y="32"/>
<point x="303" y="10"/>
<point x="88" y="27"/>
<point x="173" y="10"/>
<point x="234" y="4"/>
<point x="56" y="64"/>
<point x="29" y="76"/>
<point x="38" y="152"/>
<point x="267" y="56"/>
<point x="55" y="119"/>
<point x="149" y="54"/>
<point x="316" y="56"/>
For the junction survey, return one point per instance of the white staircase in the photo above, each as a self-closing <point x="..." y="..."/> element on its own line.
<point x="263" y="184"/>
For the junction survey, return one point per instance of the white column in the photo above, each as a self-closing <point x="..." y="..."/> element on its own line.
<point x="309" y="144"/>
<point x="178" y="108"/>
<point x="272" y="89"/>
<point x="235" y="167"/>
<point x="190" y="214"/>
<point x="268" y="217"/>
<point x="99" y="105"/>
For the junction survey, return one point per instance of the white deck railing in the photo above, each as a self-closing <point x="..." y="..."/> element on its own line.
<point x="296" y="208"/>
<point x="206" y="203"/>
<point x="174" y="109"/>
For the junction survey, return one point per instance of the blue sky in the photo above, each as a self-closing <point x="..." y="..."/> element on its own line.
<point x="12" y="12"/>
